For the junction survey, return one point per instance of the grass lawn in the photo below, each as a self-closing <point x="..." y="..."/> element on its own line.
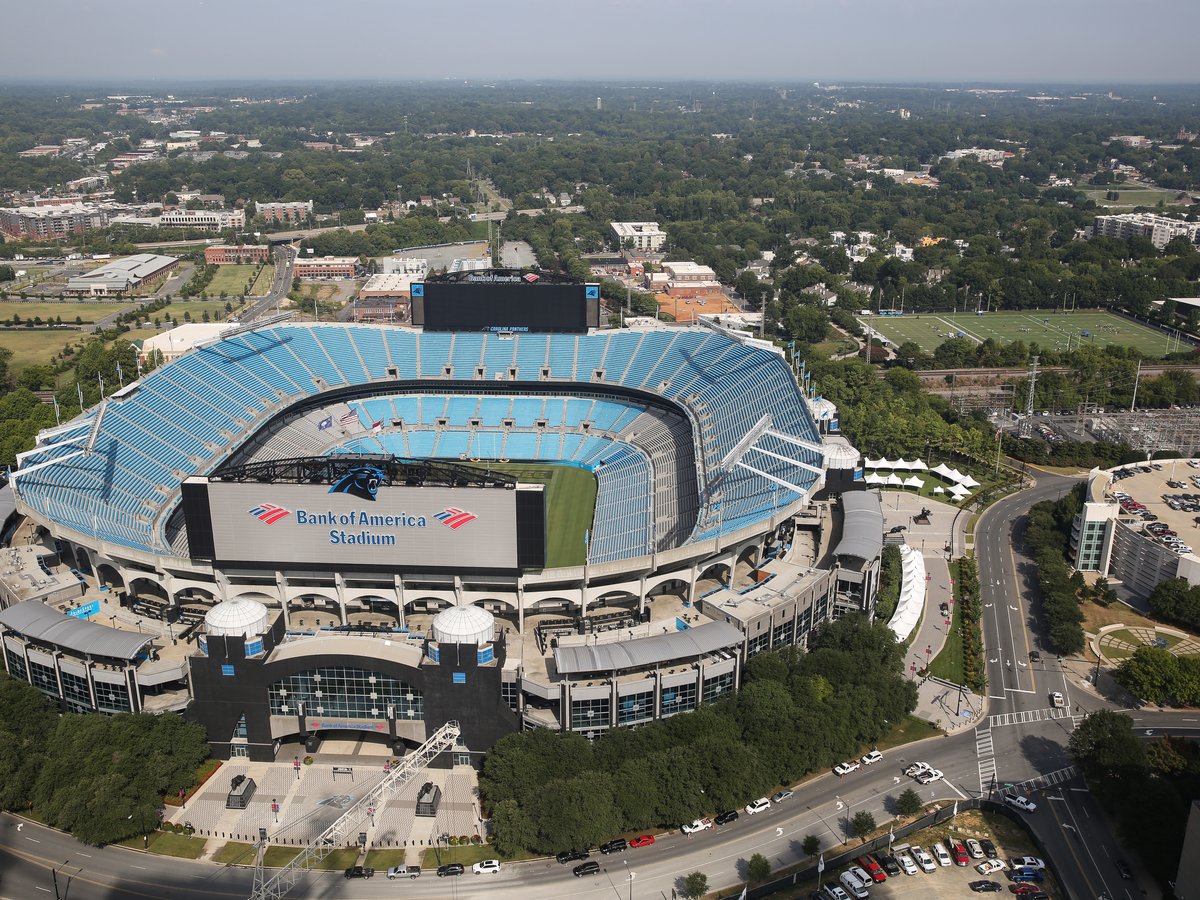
<point x="36" y="346"/>
<point x="570" y="503"/>
<point x="197" y="308"/>
<point x="237" y="853"/>
<point x="468" y="855"/>
<point x="262" y="284"/>
<point x="230" y="280"/>
<point x="948" y="663"/>
<point x="1046" y="328"/>
<point x="911" y="729"/>
<point x="382" y="860"/>
<point x="88" y="312"/>
<point x="169" y="844"/>
<point x="1096" y="616"/>
<point x="1128" y="196"/>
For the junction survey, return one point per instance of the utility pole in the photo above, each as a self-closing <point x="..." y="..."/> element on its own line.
<point x="1136" y="379"/>
<point x="1027" y="423"/>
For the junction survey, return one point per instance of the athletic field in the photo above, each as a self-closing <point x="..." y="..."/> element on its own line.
<point x="1048" y="329"/>
<point x="570" y="503"/>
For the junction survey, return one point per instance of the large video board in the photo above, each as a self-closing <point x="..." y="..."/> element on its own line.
<point x="405" y="528"/>
<point x="506" y="306"/>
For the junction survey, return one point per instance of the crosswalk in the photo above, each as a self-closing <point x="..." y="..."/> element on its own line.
<point x="1028" y="716"/>
<point x="985" y="752"/>
<point x="1048" y="780"/>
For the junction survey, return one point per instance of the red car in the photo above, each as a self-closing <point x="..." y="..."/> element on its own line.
<point x="644" y="841"/>
<point x="1024" y="887"/>
<point x="872" y="868"/>
<point x="958" y="850"/>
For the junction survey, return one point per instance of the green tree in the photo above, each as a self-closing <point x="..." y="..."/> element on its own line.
<point x="863" y="824"/>
<point x="1105" y="747"/>
<point x="513" y="831"/>
<point x="811" y="845"/>
<point x="695" y="885"/>
<point x="27" y="720"/>
<point x="758" y="869"/>
<point x="909" y="802"/>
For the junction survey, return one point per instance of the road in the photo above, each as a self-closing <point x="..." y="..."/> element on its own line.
<point x="282" y="283"/>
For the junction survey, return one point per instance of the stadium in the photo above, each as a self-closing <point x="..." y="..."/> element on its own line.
<point x="332" y="530"/>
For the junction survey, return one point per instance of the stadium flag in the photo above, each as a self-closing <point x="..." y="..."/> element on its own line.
<point x="742" y="896"/>
<point x="377" y="427"/>
<point x="891" y="835"/>
<point x="57" y="418"/>
<point x="821" y="864"/>
<point x="326" y="422"/>
<point x="348" y="418"/>
<point x="791" y="344"/>
<point x="955" y="813"/>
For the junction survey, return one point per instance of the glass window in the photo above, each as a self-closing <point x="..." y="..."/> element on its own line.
<point x="16" y="664"/>
<point x="42" y="678"/>
<point x="758" y="644"/>
<point x="111" y="698"/>
<point x="717" y="686"/>
<point x="345" y="691"/>
<point x="239" y="730"/>
<point x="635" y="708"/>
<point x="681" y="698"/>
<point x="226" y="669"/>
<point x="782" y="635"/>
<point x="509" y="691"/>
<point x="76" y="693"/>
<point x="590" y="715"/>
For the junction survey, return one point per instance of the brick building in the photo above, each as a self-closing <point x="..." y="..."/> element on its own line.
<point x="325" y="267"/>
<point x="297" y="211"/>
<point x="223" y="254"/>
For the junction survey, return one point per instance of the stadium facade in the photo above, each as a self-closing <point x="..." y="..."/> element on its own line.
<point x="261" y="508"/>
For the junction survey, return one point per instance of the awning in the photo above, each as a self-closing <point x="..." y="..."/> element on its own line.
<point x="41" y="623"/>
<point x="862" y="526"/>
<point x="643" y="652"/>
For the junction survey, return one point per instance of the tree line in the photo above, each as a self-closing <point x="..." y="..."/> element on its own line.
<point x="1047" y="528"/>
<point x="101" y="778"/>
<point x="797" y="712"/>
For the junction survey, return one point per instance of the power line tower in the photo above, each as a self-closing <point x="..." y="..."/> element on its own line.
<point x="1027" y="422"/>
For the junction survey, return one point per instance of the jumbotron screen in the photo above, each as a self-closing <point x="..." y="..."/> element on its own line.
<point x="398" y="527"/>
<point x="507" y="304"/>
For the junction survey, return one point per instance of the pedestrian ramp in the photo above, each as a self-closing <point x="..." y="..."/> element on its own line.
<point x="1028" y="717"/>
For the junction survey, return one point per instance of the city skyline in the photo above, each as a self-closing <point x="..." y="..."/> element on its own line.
<point x="713" y="40"/>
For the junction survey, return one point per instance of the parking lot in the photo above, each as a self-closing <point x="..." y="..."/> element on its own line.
<point x="954" y="880"/>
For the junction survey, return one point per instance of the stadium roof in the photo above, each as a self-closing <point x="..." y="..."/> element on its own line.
<point x="40" y="622"/>
<point x="647" y="651"/>
<point x="862" y="529"/>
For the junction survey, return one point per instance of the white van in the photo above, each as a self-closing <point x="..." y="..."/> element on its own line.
<point x="853" y="886"/>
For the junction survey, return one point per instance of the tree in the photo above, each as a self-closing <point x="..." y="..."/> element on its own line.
<point x="811" y="845"/>
<point x="695" y="885"/>
<point x="909" y="803"/>
<point x="758" y="869"/>
<point x="1105" y="747"/>
<point x="863" y="824"/>
<point x="512" y="828"/>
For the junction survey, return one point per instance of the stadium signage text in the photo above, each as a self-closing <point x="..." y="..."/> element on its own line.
<point x="363" y="520"/>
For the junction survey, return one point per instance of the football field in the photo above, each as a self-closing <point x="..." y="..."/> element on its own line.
<point x="1047" y="328"/>
<point x="570" y="503"/>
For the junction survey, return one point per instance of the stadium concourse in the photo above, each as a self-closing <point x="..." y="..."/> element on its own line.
<point x="198" y="502"/>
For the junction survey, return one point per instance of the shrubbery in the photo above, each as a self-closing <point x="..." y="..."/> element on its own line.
<point x="1046" y="532"/>
<point x="970" y="610"/>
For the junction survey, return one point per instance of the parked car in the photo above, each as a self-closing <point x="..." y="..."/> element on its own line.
<point x="780" y="796"/>
<point x="985" y="887"/>
<point x="588" y="868"/>
<point x="889" y="864"/>
<point x="958" y="851"/>
<point x="616" y="845"/>
<point x="726" y="817"/>
<point x="359" y="872"/>
<point x="1035" y="875"/>
<point x="846" y="768"/>
<point x="906" y="863"/>
<point x="989" y="866"/>
<point x="486" y="867"/>
<point x="874" y="871"/>
<point x="989" y="849"/>
<point x="698" y="825"/>
<point x="1021" y="802"/>
<point x="404" y="872"/>
<point x="869" y="759"/>
<point x="1024" y="888"/>
<point x="642" y="840"/>
<point x="924" y="860"/>
<point x="1027" y="862"/>
<point x="975" y="848"/>
<point x="571" y="856"/>
<point x="854" y="886"/>
<point x="940" y="854"/>
<point x="757" y="806"/>
<point x="450" y="869"/>
<point x="835" y="892"/>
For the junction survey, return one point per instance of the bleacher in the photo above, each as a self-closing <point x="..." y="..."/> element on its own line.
<point x="190" y="415"/>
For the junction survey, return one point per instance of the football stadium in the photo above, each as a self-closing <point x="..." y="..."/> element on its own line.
<point x="509" y="517"/>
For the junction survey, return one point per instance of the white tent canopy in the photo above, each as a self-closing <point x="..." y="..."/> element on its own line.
<point x="919" y="465"/>
<point x="912" y="593"/>
<point x="913" y="481"/>
<point x="969" y="482"/>
<point x="958" y="492"/>
<point x="939" y="490"/>
<point x="953" y="475"/>
<point x="873" y="478"/>
<point x="894" y="480"/>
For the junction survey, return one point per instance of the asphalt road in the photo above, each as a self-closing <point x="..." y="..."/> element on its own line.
<point x="282" y="283"/>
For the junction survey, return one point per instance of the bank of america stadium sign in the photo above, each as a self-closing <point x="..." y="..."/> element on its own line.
<point x="269" y="514"/>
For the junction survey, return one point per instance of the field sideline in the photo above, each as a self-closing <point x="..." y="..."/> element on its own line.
<point x="570" y="504"/>
<point x="1049" y="329"/>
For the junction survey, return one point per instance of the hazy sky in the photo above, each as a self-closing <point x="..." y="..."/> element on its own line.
<point x="1098" y="41"/>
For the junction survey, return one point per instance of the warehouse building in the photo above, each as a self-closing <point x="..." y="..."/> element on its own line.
<point x="124" y="276"/>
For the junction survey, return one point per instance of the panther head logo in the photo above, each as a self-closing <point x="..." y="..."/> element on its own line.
<point x="362" y="482"/>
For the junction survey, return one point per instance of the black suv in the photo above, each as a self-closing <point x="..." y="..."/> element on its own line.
<point x="450" y="869"/>
<point x="359" y="872"/>
<point x="989" y="849"/>
<point x="571" y="856"/>
<point x="726" y="817"/>
<point x="587" y="868"/>
<point x="617" y="845"/>
<point x="890" y="866"/>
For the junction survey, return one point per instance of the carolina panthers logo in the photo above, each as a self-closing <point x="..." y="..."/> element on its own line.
<point x="361" y="482"/>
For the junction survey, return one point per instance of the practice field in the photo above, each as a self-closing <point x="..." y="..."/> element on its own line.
<point x="36" y="346"/>
<point x="230" y="281"/>
<point x="570" y="503"/>
<point x="1046" y="328"/>
<point x="46" y="310"/>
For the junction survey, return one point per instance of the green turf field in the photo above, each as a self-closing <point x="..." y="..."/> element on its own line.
<point x="570" y="503"/>
<point x="1046" y="328"/>
<point x="48" y="309"/>
<point x="230" y="281"/>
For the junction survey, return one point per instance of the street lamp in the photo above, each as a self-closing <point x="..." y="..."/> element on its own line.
<point x="54" y="878"/>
